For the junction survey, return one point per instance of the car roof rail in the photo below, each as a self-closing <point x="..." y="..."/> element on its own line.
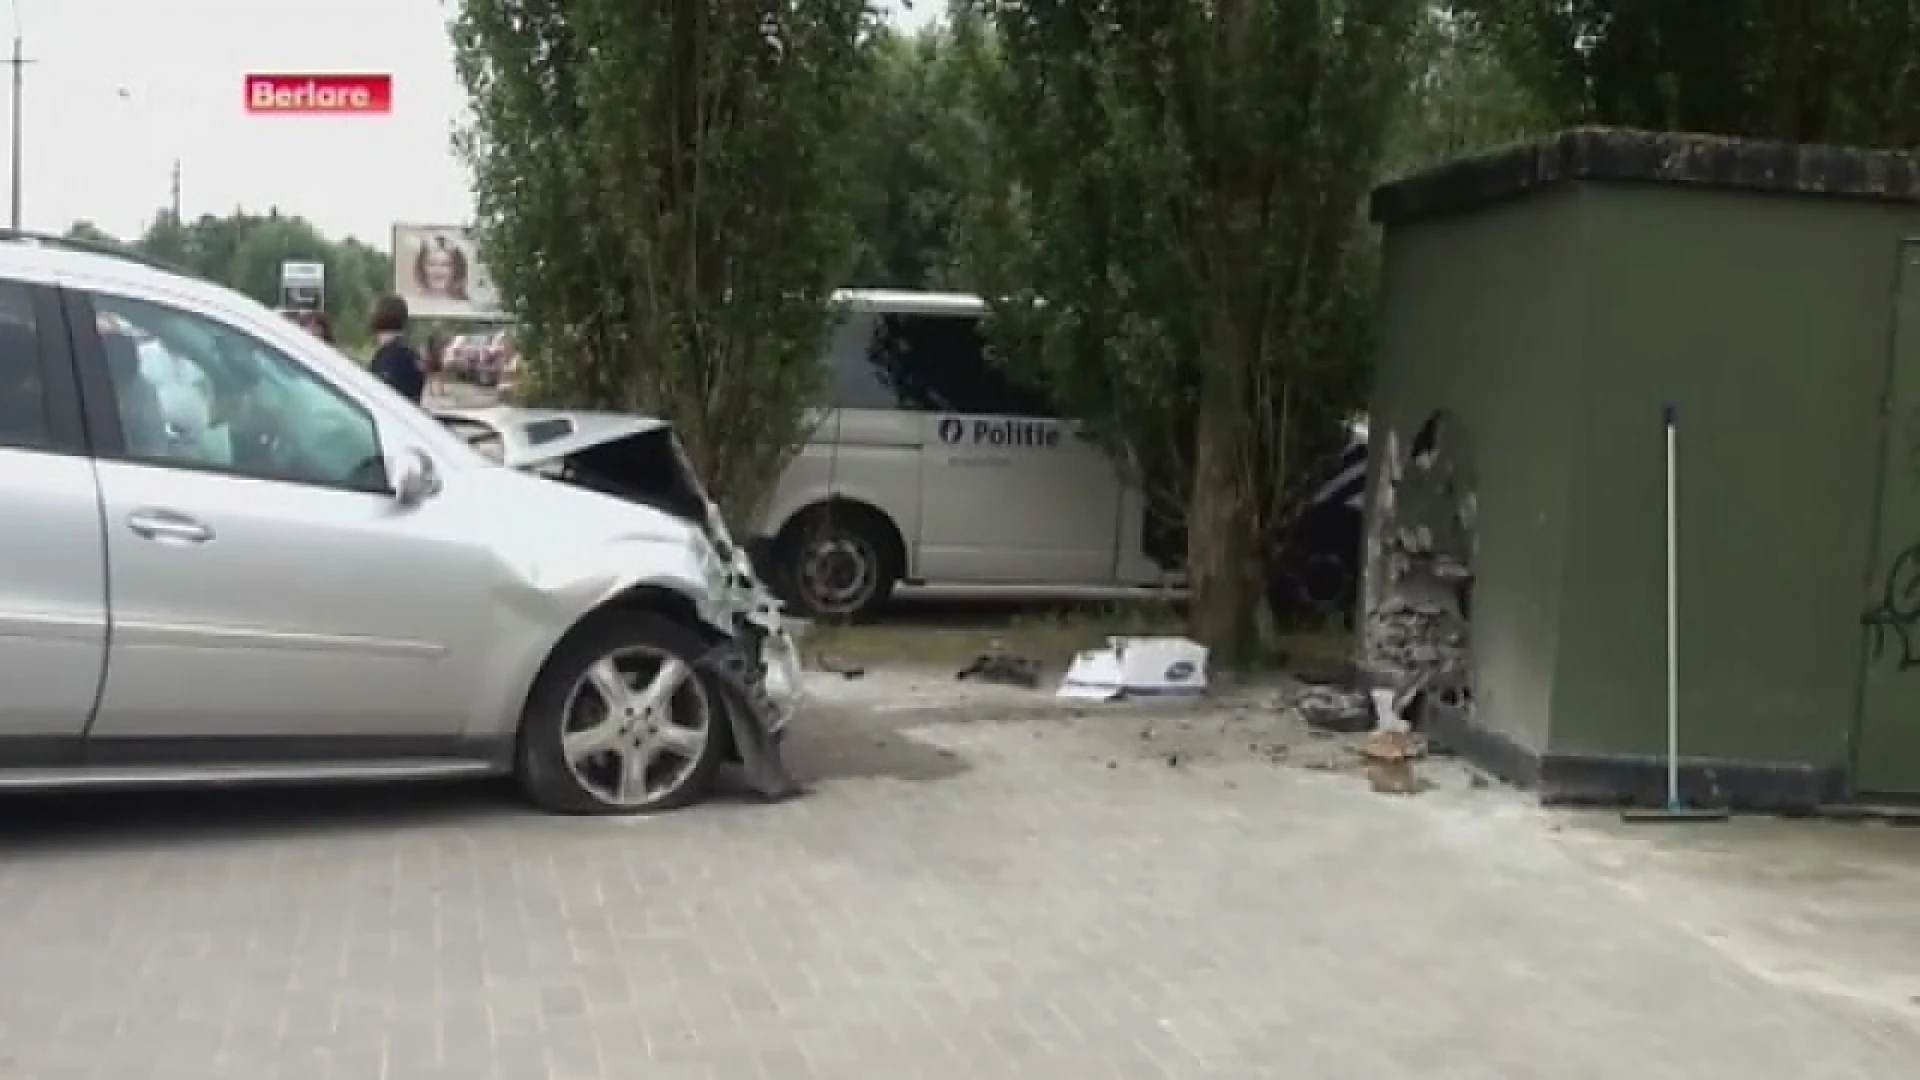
<point x="89" y="247"/>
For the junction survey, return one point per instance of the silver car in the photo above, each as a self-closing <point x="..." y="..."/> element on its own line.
<point x="296" y="575"/>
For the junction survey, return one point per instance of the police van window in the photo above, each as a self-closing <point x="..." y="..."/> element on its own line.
<point x="939" y="363"/>
<point x="23" y="403"/>
<point x="857" y="383"/>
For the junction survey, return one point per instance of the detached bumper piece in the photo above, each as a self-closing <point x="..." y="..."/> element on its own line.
<point x="754" y="713"/>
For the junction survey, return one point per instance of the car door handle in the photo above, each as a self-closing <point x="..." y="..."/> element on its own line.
<point x="168" y="527"/>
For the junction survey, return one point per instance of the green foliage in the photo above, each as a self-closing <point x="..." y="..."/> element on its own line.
<point x="1845" y="71"/>
<point x="356" y="273"/>
<point x="1170" y="216"/>
<point x="1462" y="98"/>
<point x="88" y="233"/>
<point x="666" y="190"/>
<point x="244" y="251"/>
<point x="914" y="153"/>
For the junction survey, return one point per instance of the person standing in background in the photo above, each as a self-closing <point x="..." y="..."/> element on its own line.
<point x="395" y="362"/>
<point x="436" y="364"/>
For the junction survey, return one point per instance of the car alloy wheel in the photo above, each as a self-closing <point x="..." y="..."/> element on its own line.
<point x="636" y="727"/>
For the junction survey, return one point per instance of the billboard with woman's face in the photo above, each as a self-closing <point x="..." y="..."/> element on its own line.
<point x="438" y="269"/>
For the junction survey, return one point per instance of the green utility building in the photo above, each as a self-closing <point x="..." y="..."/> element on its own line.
<point x="1542" y="304"/>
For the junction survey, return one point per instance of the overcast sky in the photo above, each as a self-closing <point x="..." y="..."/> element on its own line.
<point x="121" y="88"/>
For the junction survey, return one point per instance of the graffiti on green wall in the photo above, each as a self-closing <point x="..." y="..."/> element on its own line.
<point x="1895" y="620"/>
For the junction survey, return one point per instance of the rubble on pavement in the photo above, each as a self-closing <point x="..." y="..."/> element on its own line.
<point x="1396" y="778"/>
<point x="1414" y="645"/>
<point x="1393" y="746"/>
<point x="833" y="665"/>
<point x="1339" y="709"/>
<point x="997" y="665"/>
<point x="1240" y="724"/>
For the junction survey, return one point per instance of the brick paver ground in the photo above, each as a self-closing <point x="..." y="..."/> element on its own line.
<point x="1010" y="898"/>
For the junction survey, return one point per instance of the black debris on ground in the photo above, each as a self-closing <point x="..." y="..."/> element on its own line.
<point x="1340" y="710"/>
<point x="999" y="666"/>
<point x="846" y="669"/>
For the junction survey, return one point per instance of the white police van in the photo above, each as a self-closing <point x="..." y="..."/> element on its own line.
<point x="929" y="467"/>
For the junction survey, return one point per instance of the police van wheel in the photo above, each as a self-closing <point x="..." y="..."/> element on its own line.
<point x="838" y="563"/>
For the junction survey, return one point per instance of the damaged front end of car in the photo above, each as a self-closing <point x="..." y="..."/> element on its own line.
<point x="640" y="460"/>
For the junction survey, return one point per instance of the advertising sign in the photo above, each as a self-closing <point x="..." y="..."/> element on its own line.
<point x="303" y="286"/>
<point x="439" y="270"/>
<point x="309" y="95"/>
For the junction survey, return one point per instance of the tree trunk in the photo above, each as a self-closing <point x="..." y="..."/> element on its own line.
<point x="1221" y="546"/>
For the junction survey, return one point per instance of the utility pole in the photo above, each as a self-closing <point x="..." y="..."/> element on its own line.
<point x="176" y="191"/>
<point x="19" y="64"/>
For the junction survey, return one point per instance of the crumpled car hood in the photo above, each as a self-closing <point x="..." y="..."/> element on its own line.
<point x="544" y="440"/>
<point x="529" y="438"/>
<point x="551" y="441"/>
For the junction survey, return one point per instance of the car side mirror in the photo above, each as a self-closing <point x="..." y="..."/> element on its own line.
<point x="415" y="477"/>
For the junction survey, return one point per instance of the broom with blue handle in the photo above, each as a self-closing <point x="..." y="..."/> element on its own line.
<point x="1675" y="809"/>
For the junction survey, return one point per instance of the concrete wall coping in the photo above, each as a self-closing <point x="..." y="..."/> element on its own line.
<point x="1620" y="155"/>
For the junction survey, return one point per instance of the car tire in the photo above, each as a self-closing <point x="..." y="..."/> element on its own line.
<point x="837" y="564"/>
<point x="574" y="751"/>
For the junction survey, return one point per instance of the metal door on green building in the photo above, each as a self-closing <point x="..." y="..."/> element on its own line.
<point x="1887" y="755"/>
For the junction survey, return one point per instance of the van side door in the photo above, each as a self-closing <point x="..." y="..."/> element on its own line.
<point x="1010" y="494"/>
<point x="53" y="584"/>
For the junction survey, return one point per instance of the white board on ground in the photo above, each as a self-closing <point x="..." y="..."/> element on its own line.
<point x="1137" y="667"/>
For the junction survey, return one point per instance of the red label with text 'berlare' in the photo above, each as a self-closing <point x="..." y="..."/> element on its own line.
<point x="320" y="95"/>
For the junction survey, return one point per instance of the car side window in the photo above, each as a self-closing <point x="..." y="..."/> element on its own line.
<point x="193" y="392"/>
<point x="940" y="363"/>
<point x="24" y="423"/>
